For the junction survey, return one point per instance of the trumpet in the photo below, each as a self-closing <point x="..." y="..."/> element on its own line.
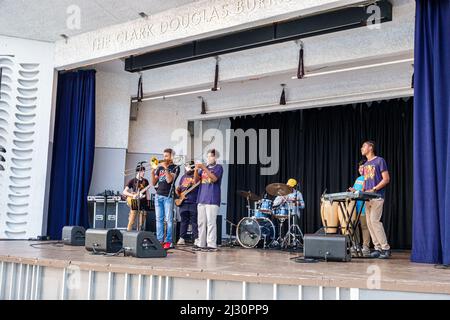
<point x="155" y="163"/>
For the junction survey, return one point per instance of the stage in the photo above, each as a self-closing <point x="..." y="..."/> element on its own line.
<point x="51" y="272"/>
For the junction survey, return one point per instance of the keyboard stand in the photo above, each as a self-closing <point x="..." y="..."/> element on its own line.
<point x="352" y="227"/>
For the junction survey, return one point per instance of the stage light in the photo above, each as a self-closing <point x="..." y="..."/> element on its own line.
<point x="143" y="15"/>
<point x="309" y="75"/>
<point x="64" y="36"/>
<point x="283" y="96"/>
<point x="203" y="106"/>
<point x="175" y="94"/>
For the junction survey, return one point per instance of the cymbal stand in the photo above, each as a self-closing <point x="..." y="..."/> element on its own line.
<point x="280" y="240"/>
<point x="231" y="243"/>
<point x="294" y="230"/>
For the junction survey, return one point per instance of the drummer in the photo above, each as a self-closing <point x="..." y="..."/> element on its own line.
<point x="294" y="197"/>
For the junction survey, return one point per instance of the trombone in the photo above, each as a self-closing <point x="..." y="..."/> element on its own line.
<point x="155" y="163"/>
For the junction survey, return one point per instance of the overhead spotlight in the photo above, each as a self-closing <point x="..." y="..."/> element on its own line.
<point x="301" y="67"/>
<point x="283" y="96"/>
<point x="216" y="76"/>
<point x="143" y="15"/>
<point x="64" y="36"/>
<point x="203" y="106"/>
<point x="140" y="90"/>
<point x="2" y="158"/>
<point x="2" y="149"/>
<point x="2" y="168"/>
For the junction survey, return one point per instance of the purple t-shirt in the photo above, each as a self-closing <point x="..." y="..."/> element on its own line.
<point x="186" y="182"/>
<point x="372" y="173"/>
<point x="209" y="192"/>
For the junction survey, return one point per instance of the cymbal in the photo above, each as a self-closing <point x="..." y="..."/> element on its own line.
<point x="250" y="195"/>
<point x="279" y="189"/>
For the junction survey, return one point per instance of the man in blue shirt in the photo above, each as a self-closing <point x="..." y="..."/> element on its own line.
<point x="359" y="186"/>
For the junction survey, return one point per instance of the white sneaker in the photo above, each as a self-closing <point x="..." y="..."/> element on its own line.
<point x="366" y="251"/>
<point x="181" y="242"/>
<point x="196" y="242"/>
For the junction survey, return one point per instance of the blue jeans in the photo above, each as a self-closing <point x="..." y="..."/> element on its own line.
<point x="163" y="208"/>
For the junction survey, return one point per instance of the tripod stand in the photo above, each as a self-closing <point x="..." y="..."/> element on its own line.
<point x="231" y="243"/>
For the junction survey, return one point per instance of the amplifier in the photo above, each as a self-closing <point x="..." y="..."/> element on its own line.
<point x="117" y="212"/>
<point x="103" y="240"/>
<point x="142" y="244"/>
<point x="73" y="235"/>
<point x="330" y="247"/>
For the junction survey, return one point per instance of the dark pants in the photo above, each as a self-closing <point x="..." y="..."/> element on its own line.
<point x="188" y="213"/>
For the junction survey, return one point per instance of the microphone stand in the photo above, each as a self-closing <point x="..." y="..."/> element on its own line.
<point x="136" y="187"/>
<point x="172" y="196"/>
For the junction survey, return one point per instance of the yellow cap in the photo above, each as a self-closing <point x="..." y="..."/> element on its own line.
<point x="292" y="183"/>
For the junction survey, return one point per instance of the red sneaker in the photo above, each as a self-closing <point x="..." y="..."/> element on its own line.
<point x="167" y="245"/>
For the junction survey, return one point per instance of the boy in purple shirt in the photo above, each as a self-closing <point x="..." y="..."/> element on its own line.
<point x="208" y="200"/>
<point x="188" y="209"/>
<point x="376" y="178"/>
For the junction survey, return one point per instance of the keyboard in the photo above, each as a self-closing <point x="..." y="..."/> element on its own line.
<point x="358" y="195"/>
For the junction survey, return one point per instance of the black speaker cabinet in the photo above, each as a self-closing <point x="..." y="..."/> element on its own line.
<point x="142" y="244"/>
<point x="103" y="240"/>
<point x="331" y="247"/>
<point x="73" y="235"/>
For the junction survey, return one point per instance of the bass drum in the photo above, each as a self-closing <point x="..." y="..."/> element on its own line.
<point x="251" y="232"/>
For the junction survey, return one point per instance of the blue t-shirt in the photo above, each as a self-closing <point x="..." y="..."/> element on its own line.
<point x="372" y="174"/>
<point x="209" y="192"/>
<point x="359" y="185"/>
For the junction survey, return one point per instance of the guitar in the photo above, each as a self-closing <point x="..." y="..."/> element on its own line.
<point x="183" y="195"/>
<point x="132" y="201"/>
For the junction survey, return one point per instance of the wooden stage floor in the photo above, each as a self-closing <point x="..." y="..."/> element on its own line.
<point x="238" y="264"/>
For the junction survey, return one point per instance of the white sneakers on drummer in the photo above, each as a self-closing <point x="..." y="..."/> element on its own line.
<point x="181" y="242"/>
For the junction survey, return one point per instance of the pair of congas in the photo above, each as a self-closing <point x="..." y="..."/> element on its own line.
<point x="333" y="218"/>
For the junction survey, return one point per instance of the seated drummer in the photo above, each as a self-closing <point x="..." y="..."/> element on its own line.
<point x="295" y="196"/>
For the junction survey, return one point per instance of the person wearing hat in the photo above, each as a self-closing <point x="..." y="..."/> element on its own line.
<point x="134" y="189"/>
<point x="295" y="196"/>
<point x="188" y="208"/>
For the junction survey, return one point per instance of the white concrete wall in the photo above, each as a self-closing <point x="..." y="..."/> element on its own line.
<point x="25" y="109"/>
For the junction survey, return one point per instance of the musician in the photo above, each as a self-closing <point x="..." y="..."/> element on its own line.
<point x="294" y="197"/>
<point x="188" y="209"/>
<point x="208" y="200"/>
<point x="359" y="186"/>
<point x="133" y="189"/>
<point x="163" y="177"/>
<point x="376" y="178"/>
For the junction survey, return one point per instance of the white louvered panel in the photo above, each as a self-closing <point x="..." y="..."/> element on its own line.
<point x="6" y="111"/>
<point x="18" y="113"/>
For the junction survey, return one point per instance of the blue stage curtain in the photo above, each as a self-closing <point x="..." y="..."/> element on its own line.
<point x="73" y="151"/>
<point x="431" y="216"/>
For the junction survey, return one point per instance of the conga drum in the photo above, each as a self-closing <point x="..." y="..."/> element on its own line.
<point x="330" y="215"/>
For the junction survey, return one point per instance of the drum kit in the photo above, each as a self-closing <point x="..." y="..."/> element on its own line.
<point x="258" y="229"/>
